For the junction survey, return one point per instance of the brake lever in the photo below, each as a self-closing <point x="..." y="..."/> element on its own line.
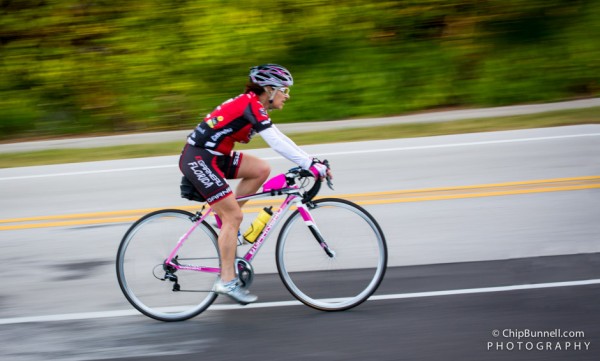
<point x="329" y="183"/>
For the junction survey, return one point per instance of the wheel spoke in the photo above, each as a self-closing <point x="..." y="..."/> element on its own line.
<point x="168" y="291"/>
<point x="350" y="269"/>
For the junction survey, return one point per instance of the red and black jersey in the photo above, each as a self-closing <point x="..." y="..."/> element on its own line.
<point x="235" y="120"/>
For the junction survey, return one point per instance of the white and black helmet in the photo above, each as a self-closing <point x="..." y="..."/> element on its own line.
<point x="271" y="75"/>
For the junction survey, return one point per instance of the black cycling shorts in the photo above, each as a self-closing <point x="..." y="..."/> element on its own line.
<point x="208" y="172"/>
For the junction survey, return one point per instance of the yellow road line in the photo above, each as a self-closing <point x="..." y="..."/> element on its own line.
<point x="541" y="182"/>
<point x="475" y="195"/>
<point x="79" y="216"/>
<point x="370" y="198"/>
<point x="83" y="222"/>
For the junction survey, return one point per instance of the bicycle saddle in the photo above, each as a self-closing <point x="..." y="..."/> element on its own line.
<point x="188" y="191"/>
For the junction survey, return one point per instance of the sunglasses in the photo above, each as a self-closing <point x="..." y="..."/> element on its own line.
<point x="284" y="90"/>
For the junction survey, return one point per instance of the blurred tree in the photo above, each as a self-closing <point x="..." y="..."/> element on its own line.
<point x="83" y="66"/>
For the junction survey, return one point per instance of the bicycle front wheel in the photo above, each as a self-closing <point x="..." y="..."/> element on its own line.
<point x="350" y="273"/>
<point x="160" y="291"/>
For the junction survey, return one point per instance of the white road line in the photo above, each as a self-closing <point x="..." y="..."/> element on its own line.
<point x="131" y="169"/>
<point x="327" y="154"/>
<point x="123" y="313"/>
<point x="466" y="144"/>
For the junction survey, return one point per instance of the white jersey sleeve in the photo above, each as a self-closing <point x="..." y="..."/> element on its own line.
<point x="286" y="147"/>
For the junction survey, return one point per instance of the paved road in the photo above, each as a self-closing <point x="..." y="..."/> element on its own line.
<point x="524" y="260"/>
<point x="438" y="326"/>
<point x="441" y="116"/>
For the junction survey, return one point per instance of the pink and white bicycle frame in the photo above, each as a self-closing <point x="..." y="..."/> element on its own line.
<point x="276" y="186"/>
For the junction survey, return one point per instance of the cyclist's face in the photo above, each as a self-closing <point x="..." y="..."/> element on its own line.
<point x="280" y="98"/>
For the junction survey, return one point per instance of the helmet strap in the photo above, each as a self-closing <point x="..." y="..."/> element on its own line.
<point x="272" y="94"/>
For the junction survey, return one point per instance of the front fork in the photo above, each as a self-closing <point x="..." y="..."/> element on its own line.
<point x="312" y="226"/>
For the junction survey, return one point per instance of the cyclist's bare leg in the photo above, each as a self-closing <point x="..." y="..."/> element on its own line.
<point x="231" y="216"/>
<point x="254" y="172"/>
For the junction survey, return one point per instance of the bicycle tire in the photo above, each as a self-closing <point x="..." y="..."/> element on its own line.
<point x="348" y="278"/>
<point x="141" y="255"/>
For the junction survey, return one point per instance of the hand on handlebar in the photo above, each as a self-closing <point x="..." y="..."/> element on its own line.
<point x="322" y="170"/>
<point x="318" y="170"/>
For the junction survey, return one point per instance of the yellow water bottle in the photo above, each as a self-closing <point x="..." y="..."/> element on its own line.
<point x="258" y="225"/>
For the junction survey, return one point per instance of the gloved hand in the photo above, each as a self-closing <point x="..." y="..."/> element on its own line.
<point x="319" y="170"/>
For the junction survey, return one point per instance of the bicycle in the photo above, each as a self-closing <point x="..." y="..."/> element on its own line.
<point x="168" y="260"/>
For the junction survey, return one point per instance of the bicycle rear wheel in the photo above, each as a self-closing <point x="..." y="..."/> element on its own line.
<point x="344" y="279"/>
<point x="150" y="286"/>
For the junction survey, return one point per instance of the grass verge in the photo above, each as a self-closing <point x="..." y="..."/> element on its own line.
<point x="541" y="120"/>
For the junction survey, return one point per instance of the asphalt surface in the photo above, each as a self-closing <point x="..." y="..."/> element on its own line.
<point x="450" y="326"/>
<point x="520" y="262"/>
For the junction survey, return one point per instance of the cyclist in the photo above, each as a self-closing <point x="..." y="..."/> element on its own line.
<point x="208" y="160"/>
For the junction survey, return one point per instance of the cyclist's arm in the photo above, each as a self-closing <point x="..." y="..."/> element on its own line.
<point x="289" y="141"/>
<point x="286" y="147"/>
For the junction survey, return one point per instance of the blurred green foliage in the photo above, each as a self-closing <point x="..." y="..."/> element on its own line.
<point x="101" y="66"/>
